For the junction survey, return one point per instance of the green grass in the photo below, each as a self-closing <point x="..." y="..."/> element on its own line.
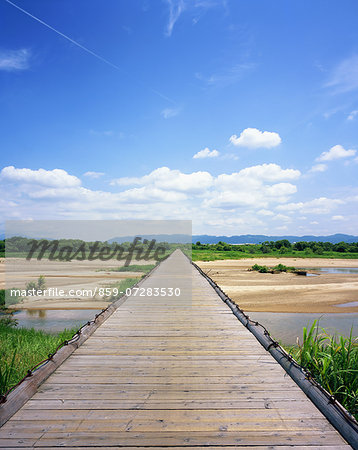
<point x="132" y="268"/>
<point x="21" y="349"/>
<point x="277" y="269"/>
<point x="211" y="255"/>
<point x="333" y="362"/>
<point x="121" y="287"/>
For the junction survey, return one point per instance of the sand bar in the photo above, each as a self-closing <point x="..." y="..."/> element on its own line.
<point x="286" y="292"/>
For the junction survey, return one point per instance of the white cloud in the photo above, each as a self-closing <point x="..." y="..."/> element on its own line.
<point x="280" y="192"/>
<point x="352" y="114"/>
<point x="320" y="205"/>
<point x="265" y="212"/>
<point x="337" y="218"/>
<point x="167" y="113"/>
<point x="254" y="138"/>
<point x="13" y="60"/>
<point x="344" y="77"/>
<point x="151" y="194"/>
<point x="91" y="174"/>
<point x="257" y="174"/>
<point x="165" y="178"/>
<point x="319" y="168"/>
<point x="56" y="177"/>
<point x="254" y="187"/>
<point x="251" y="187"/>
<point x="234" y="199"/>
<point x="206" y="153"/>
<point x="176" y="7"/>
<point x="252" y="200"/>
<point x="336" y="152"/>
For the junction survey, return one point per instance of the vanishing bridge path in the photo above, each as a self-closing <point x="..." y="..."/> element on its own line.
<point x="168" y="372"/>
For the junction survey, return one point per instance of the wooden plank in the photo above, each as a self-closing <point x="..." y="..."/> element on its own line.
<point x="153" y="403"/>
<point x="270" y="447"/>
<point x="186" y="438"/>
<point x="131" y="423"/>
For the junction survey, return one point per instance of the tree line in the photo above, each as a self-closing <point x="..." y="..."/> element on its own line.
<point x="281" y="246"/>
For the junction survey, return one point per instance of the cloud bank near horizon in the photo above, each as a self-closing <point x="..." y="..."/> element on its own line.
<point x="257" y="199"/>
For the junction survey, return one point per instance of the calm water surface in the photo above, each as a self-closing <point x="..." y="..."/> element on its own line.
<point x="286" y="327"/>
<point x="342" y="270"/>
<point x="54" y="320"/>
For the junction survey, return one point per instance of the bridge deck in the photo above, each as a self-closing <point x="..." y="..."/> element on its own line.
<point x="170" y="372"/>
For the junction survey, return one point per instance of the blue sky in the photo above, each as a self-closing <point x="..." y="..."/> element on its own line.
<point x="242" y="116"/>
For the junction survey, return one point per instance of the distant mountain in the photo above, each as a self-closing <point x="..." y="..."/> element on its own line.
<point x="239" y="239"/>
<point x="170" y="238"/>
<point x="259" y="238"/>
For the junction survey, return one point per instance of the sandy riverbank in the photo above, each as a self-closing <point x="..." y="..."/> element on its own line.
<point x="286" y="292"/>
<point x="73" y="275"/>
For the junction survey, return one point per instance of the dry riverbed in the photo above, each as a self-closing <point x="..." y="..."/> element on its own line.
<point x="73" y="275"/>
<point x="286" y="292"/>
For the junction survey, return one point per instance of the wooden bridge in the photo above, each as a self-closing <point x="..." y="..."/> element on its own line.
<point x="167" y="372"/>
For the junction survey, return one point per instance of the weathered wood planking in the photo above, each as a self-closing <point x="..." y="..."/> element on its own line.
<point x="170" y="372"/>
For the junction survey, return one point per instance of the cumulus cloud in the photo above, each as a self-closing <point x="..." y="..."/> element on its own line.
<point x="15" y="60"/>
<point x="151" y="194"/>
<point x="206" y="153"/>
<point x="251" y="200"/>
<point x="255" y="187"/>
<point x="91" y="174"/>
<point x="256" y="175"/>
<point x="265" y="212"/>
<point x="165" y="178"/>
<point x="254" y="138"/>
<point x="55" y="177"/>
<point x="320" y="205"/>
<point x="337" y="218"/>
<point x="319" y="168"/>
<point x="234" y="199"/>
<point x="336" y="152"/>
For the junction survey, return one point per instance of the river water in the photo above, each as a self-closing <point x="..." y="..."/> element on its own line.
<point x="287" y="327"/>
<point x="54" y="320"/>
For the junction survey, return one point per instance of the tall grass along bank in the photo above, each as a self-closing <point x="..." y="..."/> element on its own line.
<point x="333" y="362"/>
<point x="22" y="348"/>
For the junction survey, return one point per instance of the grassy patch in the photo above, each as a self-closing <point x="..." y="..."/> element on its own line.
<point x="333" y="361"/>
<point x="277" y="269"/>
<point x="132" y="268"/>
<point x="119" y="289"/>
<point x="22" y="348"/>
